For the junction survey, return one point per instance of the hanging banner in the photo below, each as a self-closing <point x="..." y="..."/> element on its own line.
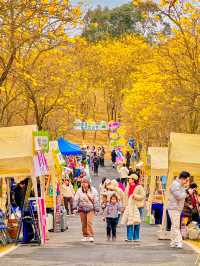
<point x="113" y="126"/>
<point x="90" y="126"/>
<point x="41" y="141"/>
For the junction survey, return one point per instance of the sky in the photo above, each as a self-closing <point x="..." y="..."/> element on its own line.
<point x="109" y="3"/>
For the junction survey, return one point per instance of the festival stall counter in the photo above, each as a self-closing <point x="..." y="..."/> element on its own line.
<point x="17" y="161"/>
<point x="184" y="154"/>
<point x="158" y="168"/>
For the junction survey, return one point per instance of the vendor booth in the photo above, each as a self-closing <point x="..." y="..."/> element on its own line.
<point x="17" y="162"/>
<point x="184" y="155"/>
<point x="158" y="162"/>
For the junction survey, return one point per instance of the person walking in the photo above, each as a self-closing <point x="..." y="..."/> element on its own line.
<point x="175" y="207"/>
<point x="124" y="171"/>
<point x="88" y="155"/>
<point x="114" y="189"/>
<point x="96" y="165"/>
<point x="139" y="197"/>
<point x="67" y="191"/>
<point x="102" y="155"/>
<point x="111" y="215"/>
<point x="131" y="216"/>
<point x="86" y="202"/>
<point x="128" y="159"/>
<point x="113" y="157"/>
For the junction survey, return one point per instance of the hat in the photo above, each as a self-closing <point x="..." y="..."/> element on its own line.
<point x="134" y="177"/>
<point x="85" y="180"/>
<point x="107" y="181"/>
<point x="112" y="185"/>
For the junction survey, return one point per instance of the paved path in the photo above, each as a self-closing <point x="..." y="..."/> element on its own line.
<point x="66" y="248"/>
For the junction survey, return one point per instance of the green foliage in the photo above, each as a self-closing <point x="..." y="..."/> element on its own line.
<point x="102" y="23"/>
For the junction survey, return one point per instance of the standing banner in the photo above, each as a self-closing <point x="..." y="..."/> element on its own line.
<point x="42" y="220"/>
<point x="41" y="141"/>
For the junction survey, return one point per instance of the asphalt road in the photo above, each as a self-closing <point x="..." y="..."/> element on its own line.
<point x="66" y="248"/>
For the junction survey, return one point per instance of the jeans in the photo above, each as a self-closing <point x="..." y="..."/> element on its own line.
<point x="133" y="232"/>
<point x="141" y="210"/>
<point x="118" y="218"/>
<point x="111" y="227"/>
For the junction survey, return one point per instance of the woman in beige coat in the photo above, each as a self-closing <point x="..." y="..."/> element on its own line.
<point x="134" y="201"/>
<point x="139" y="197"/>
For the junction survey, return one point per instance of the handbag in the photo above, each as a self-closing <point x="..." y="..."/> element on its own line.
<point x="95" y="207"/>
<point x="84" y="209"/>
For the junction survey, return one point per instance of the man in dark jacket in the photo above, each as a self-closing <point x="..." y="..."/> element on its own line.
<point x="20" y="192"/>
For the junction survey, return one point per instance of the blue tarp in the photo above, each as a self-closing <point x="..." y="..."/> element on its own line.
<point x="67" y="148"/>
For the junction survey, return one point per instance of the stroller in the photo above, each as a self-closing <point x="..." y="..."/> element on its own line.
<point x="4" y="237"/>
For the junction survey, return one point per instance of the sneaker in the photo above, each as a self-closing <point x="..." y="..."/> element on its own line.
<point x="84" y="239"/>
<point x="180" y="246"/>
<point x="114" y="239"/>
<point x="91" y="239"/>
<point x="136" y="240"/>
<point x="173" y="245"/>
<point x="108" y="238"/>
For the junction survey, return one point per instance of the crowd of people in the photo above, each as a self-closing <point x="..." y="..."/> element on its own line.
<point x="95" y="157"/>
<point x="119" y="201"/>
<point x="122" y="201"/>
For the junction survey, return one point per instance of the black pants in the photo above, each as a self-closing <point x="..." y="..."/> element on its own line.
<point x="102" y="162"/>
<point x="96" y="168"/>
<point x="111" y="227"/>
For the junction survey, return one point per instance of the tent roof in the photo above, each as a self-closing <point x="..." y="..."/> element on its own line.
<point x="185" y="148"/>
<point x="159" y="159"/>
<point x="16" y="150"/>
<point x="68" y="148"/>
